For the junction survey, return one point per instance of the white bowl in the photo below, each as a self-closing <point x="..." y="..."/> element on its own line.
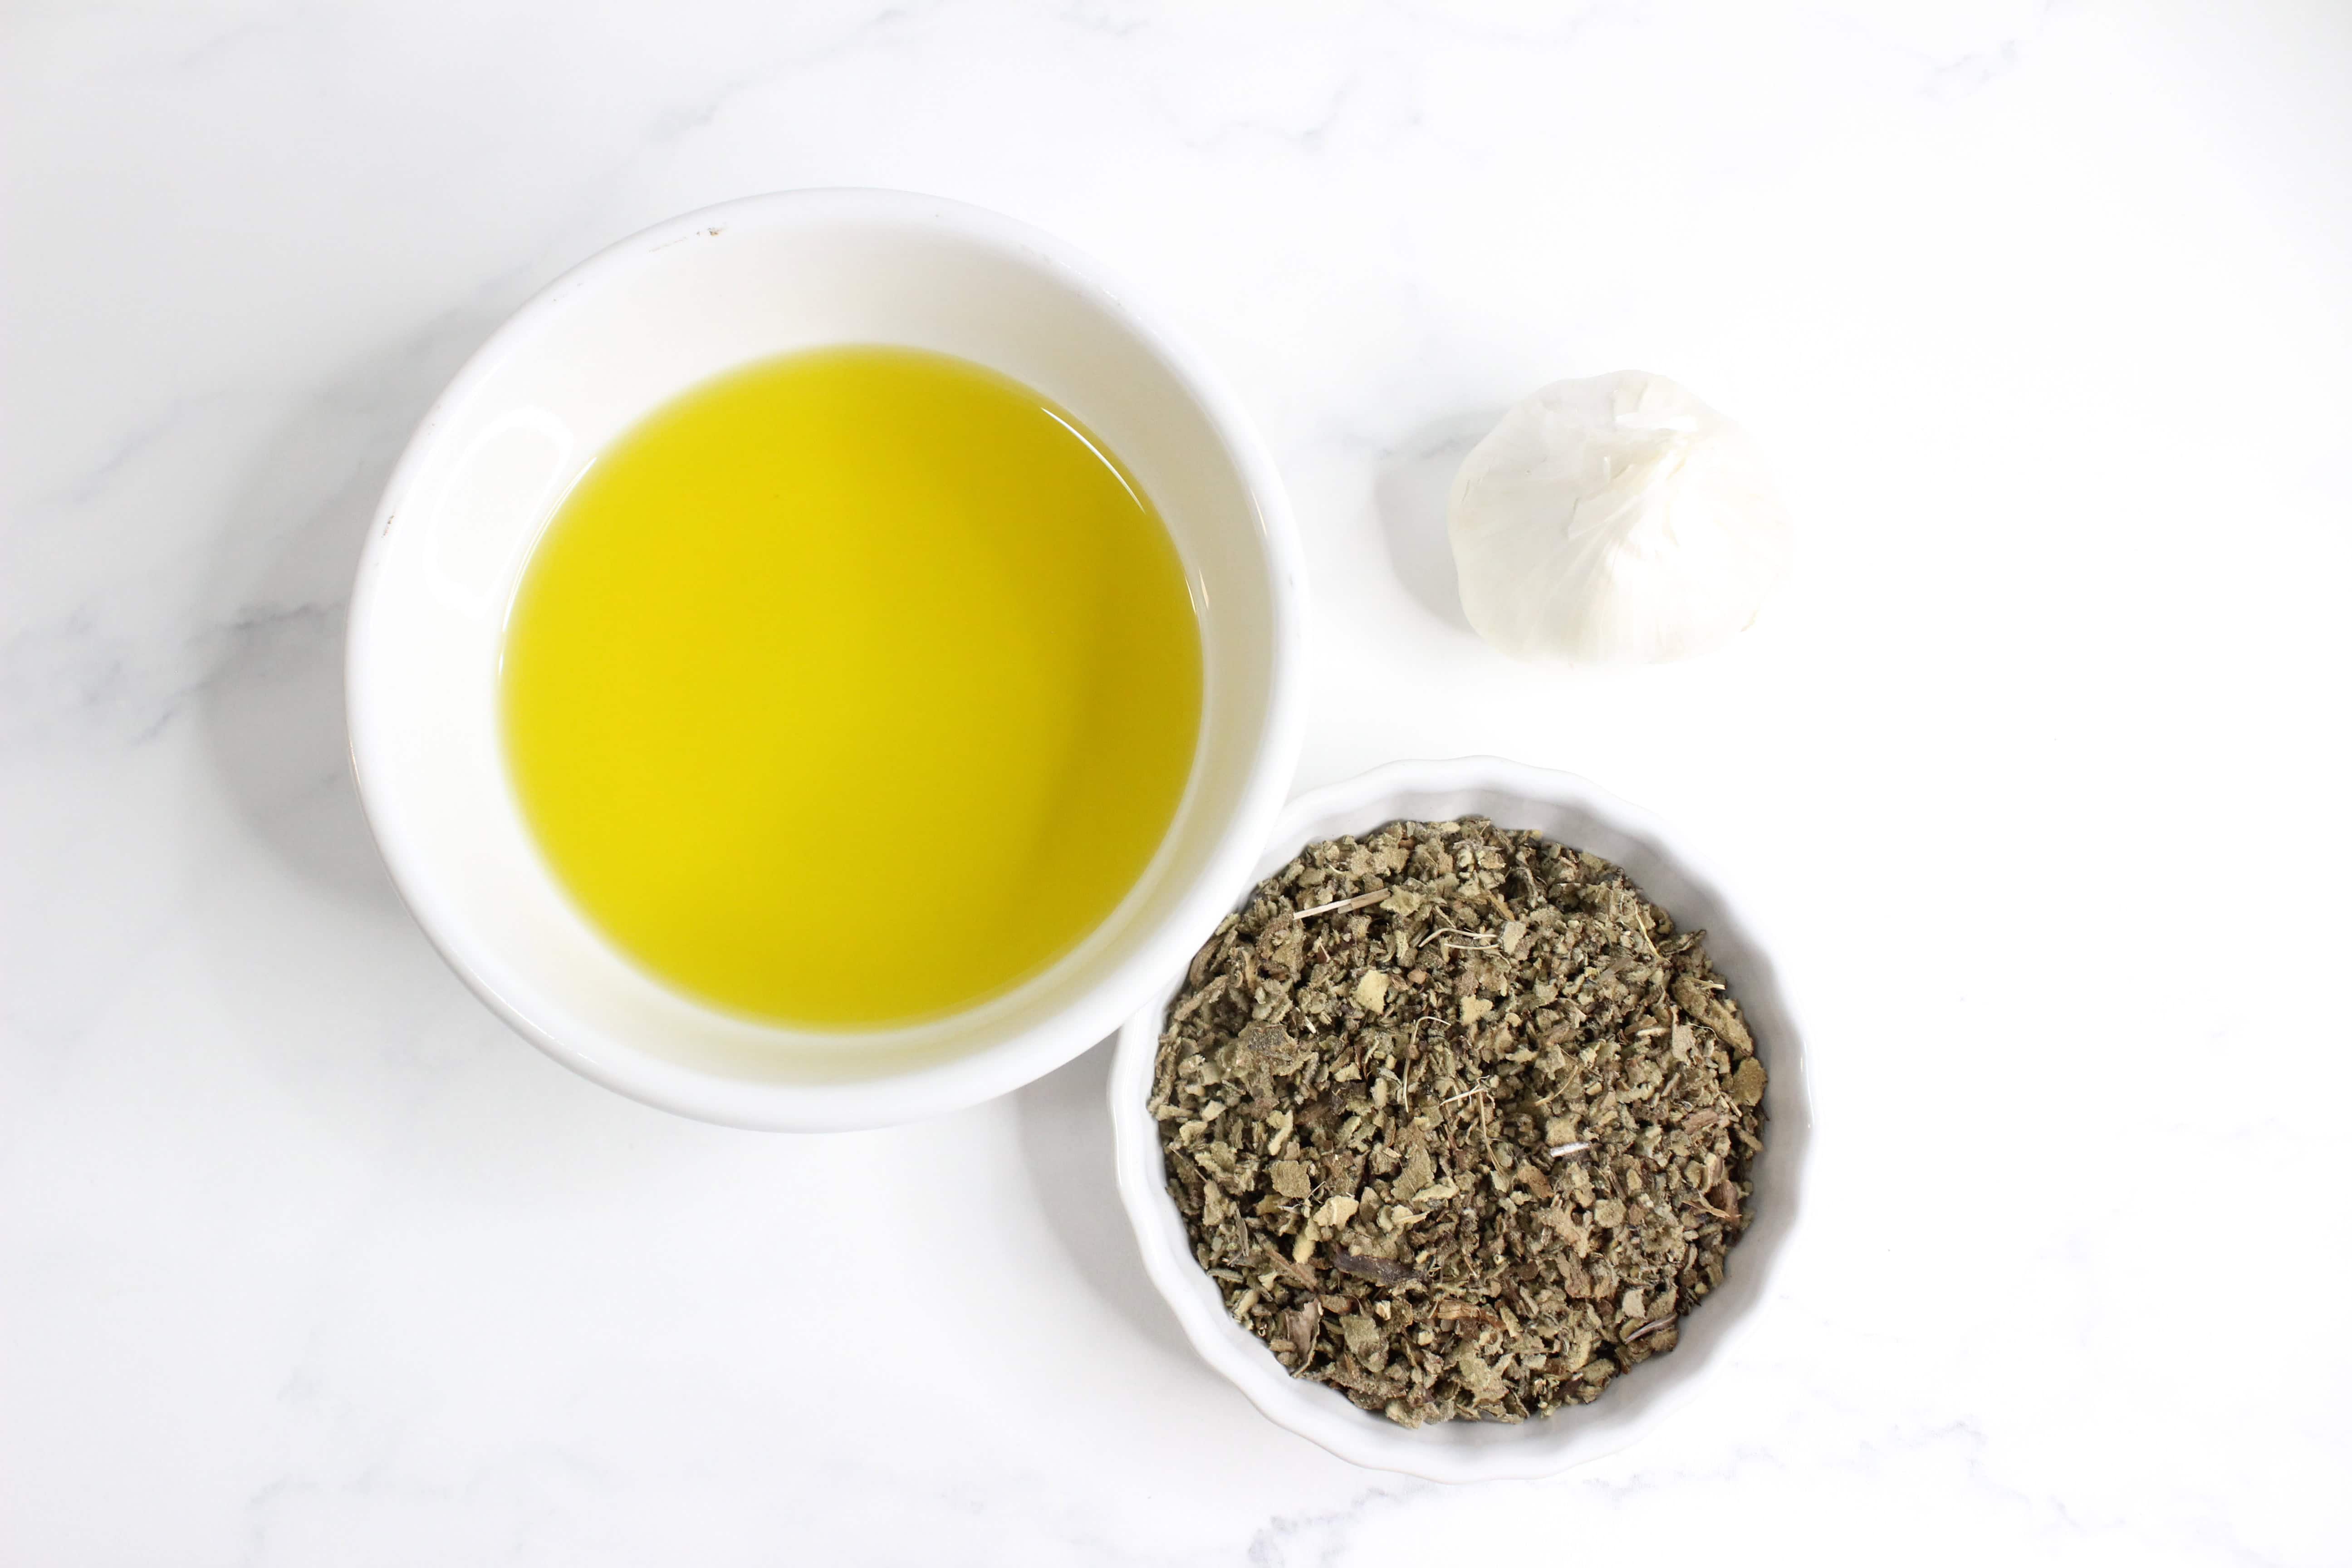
<point x="608" y="343"/>
<point x="1569" y="811"/>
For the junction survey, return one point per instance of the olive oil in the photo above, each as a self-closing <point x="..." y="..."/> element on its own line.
<point x="851" y="688"/>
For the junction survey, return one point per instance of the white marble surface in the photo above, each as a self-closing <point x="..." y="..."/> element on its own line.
<point x="2037" y="767"/>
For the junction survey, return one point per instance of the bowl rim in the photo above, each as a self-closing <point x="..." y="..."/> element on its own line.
<point x="933" y="1088"/>
<point x="1535" y="1449"/>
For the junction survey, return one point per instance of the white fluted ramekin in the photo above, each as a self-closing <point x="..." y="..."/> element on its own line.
<point x="1572" y="812"/>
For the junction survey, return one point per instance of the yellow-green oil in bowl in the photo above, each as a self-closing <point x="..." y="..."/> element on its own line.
<point x="851" y="688"/>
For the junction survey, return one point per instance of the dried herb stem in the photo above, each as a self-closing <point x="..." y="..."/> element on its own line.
<point x="1342" y="906"/>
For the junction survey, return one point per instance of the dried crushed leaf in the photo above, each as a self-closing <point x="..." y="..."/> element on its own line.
<point x="1459" y="1122"/>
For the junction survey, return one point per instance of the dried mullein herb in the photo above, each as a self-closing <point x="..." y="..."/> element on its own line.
<point x="1457" y="1120"/>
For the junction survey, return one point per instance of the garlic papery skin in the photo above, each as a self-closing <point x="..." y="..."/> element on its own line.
<point x="1615" y="519"/>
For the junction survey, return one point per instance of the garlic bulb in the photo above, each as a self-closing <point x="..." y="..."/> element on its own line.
<point x="1616" y="520"/>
